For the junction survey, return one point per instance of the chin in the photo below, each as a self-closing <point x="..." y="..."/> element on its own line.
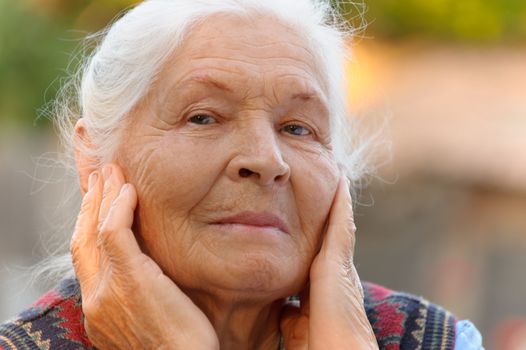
<point x="256" y="275"/>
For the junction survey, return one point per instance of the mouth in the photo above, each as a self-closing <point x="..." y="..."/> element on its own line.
<point x="254" y="220"/>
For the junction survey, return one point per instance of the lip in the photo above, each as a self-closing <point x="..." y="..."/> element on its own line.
<point x="257" y="219"/>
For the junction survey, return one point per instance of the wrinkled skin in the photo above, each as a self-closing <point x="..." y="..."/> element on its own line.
<point x="237" y="122"/>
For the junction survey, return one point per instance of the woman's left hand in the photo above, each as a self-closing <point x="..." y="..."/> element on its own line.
<point x="332" y="314"/>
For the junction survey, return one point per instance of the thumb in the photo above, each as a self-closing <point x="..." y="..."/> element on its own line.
<point x="340" y="234"/>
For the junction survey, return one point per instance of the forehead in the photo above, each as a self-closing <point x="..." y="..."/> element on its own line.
<point x="256" y="51"/>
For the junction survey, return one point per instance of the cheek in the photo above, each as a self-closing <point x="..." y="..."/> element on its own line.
<point x="315" y="180"/>
<point x="174" y="172"/>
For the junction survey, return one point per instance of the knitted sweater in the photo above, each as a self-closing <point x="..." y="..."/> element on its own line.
<point x="399" y="320"/>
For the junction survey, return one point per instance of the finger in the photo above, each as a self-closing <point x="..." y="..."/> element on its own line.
<point x="83" y="245"/>
<point x="340" y="234"/>
<point x="116" y="237"/>
<point x="113" y="181"/>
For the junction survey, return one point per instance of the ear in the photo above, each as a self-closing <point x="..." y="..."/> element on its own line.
<point x="85" y="163"/>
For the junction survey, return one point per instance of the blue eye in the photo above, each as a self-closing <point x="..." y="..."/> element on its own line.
<point x="202" y="119"/>
<point x="296" y="130"/>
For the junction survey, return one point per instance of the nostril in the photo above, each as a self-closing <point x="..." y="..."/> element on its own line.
<point x="244" y="172"/>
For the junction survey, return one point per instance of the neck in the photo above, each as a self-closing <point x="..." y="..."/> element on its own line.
<point x="241" y="324"/>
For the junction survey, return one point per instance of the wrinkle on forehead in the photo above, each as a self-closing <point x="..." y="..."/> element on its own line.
<point x="266" y="44"/>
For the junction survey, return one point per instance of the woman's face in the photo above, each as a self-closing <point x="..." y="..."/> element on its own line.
<point x="231" y="157"/>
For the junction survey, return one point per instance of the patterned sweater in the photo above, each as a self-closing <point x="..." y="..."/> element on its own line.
<point x="400" y="321"/>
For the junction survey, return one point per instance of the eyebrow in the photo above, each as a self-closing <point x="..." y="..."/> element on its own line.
<point x="305" y="96"/>
<point x="208" y="80"/>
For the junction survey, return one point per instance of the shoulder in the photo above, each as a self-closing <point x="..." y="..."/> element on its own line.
<point x="405" y="321"/>
<point x="52" y="322"/>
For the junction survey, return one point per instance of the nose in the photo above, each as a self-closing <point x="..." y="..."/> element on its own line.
<point x="258" y="157"/>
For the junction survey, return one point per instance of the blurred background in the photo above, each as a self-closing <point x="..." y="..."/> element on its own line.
<point x="444" y="218"/>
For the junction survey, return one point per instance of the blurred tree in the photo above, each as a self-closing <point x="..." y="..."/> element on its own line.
<point x="37" y="39"/>
<point x="98" y="13"/>
<point x="32" y="55"/>
<point x="478" y="21"/>
<point x="56" y="8"/>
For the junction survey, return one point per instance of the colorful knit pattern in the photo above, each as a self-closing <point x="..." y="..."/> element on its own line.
<point x="400" y="322"/>
<point x="52" y="322"/>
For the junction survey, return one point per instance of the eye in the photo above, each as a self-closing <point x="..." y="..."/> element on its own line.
<point x="202" y="119"/>
<point x="296" y="130"/>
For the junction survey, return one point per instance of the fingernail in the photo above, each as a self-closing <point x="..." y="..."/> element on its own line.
<point x="106" y="172"/>
<point x="92" y="179"/>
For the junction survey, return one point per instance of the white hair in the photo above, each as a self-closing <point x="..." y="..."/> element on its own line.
<point x="129" y="55"/>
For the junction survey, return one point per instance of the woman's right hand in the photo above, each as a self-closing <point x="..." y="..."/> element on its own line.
<point x="127" y="301"/>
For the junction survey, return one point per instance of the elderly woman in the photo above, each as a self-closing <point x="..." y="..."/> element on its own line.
<point x="210" y="148"/>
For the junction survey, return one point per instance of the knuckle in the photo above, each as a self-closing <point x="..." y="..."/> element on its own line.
<point x="107" y="190"/>
<point x="74" y="249"/>
<point x="86" y="206"/>
<point x="108" y="227"/>
<point x="352" y="233"/>
<point x="101" y="227"/>
<point x="112" y="243"/>
<point x="77" y="267"/>
<point x="106" y="236"/>
<point x="352" y="225"/>
<point x="74" y="244"/>
<point x="110" y="196"/>
<point x="87" y="203"/>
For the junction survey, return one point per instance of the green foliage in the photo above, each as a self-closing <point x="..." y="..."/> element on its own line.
<point x="33" y="53"/>
<point x="478" y="21"/>
<point x="36" y="47"/>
